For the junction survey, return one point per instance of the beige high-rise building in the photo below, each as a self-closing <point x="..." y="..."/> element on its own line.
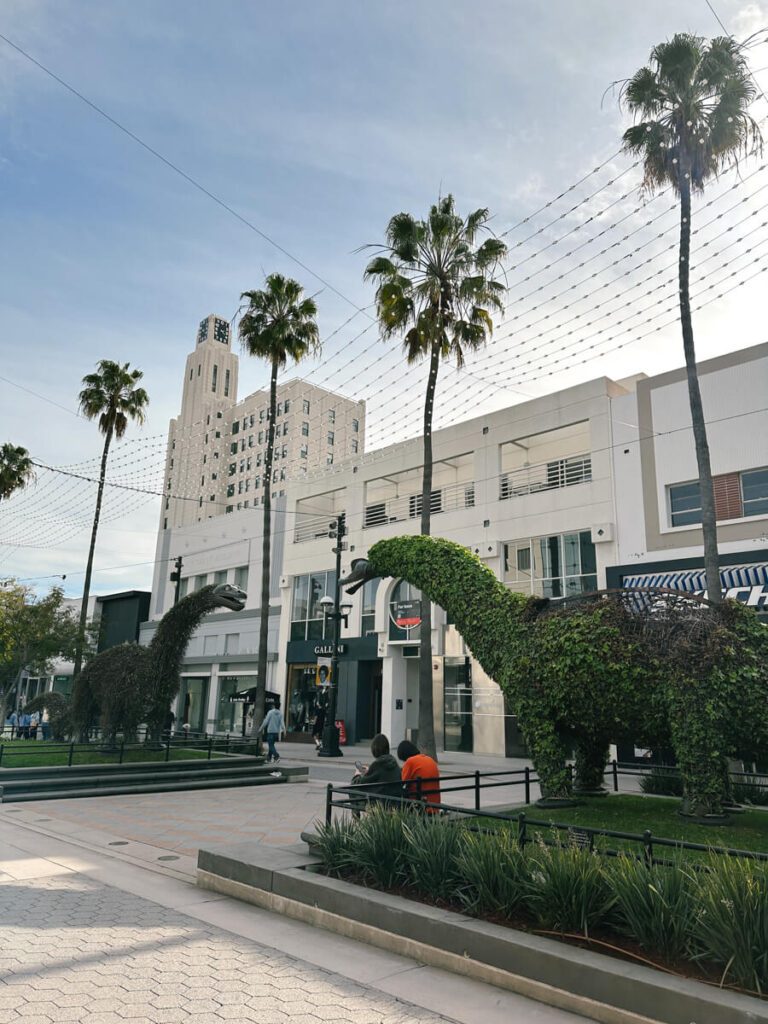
<point x="217" y="445"/>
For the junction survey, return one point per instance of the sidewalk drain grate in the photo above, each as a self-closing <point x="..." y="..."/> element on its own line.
<point x="119" y="842"/>
<point x="168" y="857"/>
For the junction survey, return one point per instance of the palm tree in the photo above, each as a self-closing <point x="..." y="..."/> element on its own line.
<point x="112" y="395"/>
<point x="15" y="469"/>
<point x="277" y="326"/>
<point x="438" y="288"/>
<point x="692" y="103"/>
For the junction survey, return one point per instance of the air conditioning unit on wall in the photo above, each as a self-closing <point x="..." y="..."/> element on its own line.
<point x="487" y="549"/>
<point x="602" y="532"/>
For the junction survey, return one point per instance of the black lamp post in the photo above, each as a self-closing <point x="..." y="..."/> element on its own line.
<point x="335" y="612"/>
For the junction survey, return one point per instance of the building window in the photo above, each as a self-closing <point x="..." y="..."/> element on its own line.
<point x="375" y="515"/>
<point x="284" y="451"/>
<point x="369" y="607"/>
<point x="236" y="427"/>
<point x="220" y="576"/>
<point x="557" y="566"/>
<point x="250" y="440"/>
<point x="331" y="415"/>
<point x="261" y="415"/>
<point x="285" y="428"/>
<point x="183" y="586"/>
<point x="232" y="468"/>
<point x="201" y="581"/>
<point x="226" y="383"/>
<point x="215" y="376"/>
<point x="241" y="577"/>
<point x="242" y="444"/>
<point x="230" y="490"/>
<point x="330" y="437"/>
<point x="303" y="451"/>
<point x="233" y="448"/>
<point x="435" y="504"/>
<point x="261" y="437"/>
<point x="754" y="489"/>
<point x="355" y="426"/>
<point x="305" y="406"/>
<point x="282" y="473"/>
<point x="229" y="508"/>
<point x="251" y="420"/>
<point x="685" y="504"/>
<point x="565" y="472"/>
<point x="329" y="459"/>
<point x="256" y="483"/>
<point x="354" y="446"/>
<point x="305" y="429"/>
<point x="286" y="405"/>
<point x="279" y="408"/>
<point x="306" y="613"/>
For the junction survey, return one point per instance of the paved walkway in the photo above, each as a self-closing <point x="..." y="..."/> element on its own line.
<point x="100" y="933"/>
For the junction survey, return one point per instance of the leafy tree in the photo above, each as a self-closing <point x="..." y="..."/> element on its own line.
<point x="112" y="395"/>
<point x="33" y="632"/>
<point x="278" y="325"/>
<point x="692" y="101"/>
<point x="437" y="288"/>
<point x="15" y="469"/>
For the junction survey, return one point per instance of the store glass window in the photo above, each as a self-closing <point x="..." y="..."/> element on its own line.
<point x="369" y="607"/>
<point x="303" y="698"/>
<point x="192" y="703"/>
<point x="754" y="490"/>
<point x="556" y="566"/>
<point x="241" y="577"/>
<point x="220" y="576"/>
<point x="457" y="704"/>
<point x="306" y="612"/>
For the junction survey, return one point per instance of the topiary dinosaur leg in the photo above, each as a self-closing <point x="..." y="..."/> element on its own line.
<point x="591" y="759"/>
<point x="548" y="753"/>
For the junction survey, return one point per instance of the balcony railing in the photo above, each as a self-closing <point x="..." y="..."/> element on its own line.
<point x="443" y="499"/>
<point x="546" y="476"/>
<point x="311" y="529"/>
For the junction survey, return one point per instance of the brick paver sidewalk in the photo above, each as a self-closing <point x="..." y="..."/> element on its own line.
<point x="75" y="950"/>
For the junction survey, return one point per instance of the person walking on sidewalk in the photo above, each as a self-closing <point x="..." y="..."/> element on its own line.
<point x="273" y="727"/>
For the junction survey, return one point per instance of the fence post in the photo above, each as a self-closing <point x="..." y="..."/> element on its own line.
<point x="2" y="748"/>
<point x="527" y="784"/>
<point x="210" y="747"/>
<point x="418" y="789"/>
<point x="477" y="791"/>
<point x="615" y="776"/>
<point x="122" y="748"/>
<point x="648" y="848"/>
<point x="71" y="753"/>
<point x="227" y="744"/>
<point x="168" y="748"/>
<point x="521" y="838"/>
<point x="328" y="803"/>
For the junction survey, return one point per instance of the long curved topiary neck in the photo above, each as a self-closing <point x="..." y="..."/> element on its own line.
<point x="488" y="616"/>
<point x="175" y="630"/>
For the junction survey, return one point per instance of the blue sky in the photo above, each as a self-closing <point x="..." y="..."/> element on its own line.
<point x="315" y="121"/>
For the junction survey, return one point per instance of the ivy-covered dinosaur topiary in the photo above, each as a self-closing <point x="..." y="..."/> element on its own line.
<point x="593" y="674"/>
<point x="130" y="684"/>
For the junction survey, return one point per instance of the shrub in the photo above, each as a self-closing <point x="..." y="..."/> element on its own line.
<point x="569" y="890"/>
<point x="493" y="870"/>
<point x="335" y="845"/>
<point x="381" y="847"/>
<point x="730" y="927"/>
<point x="654" y="907"/>
<point x="662" y="781"/>
<point x="432" y="848"/>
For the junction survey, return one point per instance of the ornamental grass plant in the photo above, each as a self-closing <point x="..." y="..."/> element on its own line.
<point x="494" y="871"/>
<point x="432" y="849"/>
<point x="653" y="906"/>
<point x="569" y="889"/>
<point x="382" y="849"/>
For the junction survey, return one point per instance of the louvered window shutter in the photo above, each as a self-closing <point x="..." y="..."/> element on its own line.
<point x="727" y="497"/>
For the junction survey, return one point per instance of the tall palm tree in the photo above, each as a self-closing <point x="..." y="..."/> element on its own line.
<point x="437" y="288"/>
<point x="111" y="394"/>
<point x="15" y="469"/>
<point x="692" y="102"/>
<point x="278" y="325"/>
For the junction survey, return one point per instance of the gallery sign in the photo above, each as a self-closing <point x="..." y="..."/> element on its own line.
<point x="328" y="649"/>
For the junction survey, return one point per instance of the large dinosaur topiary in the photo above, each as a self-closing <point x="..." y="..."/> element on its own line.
<point x="130" y="684"/>
<point x="601" y="671"/>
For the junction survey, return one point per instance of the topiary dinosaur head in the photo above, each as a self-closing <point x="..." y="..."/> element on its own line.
<point x="225" y="595"/>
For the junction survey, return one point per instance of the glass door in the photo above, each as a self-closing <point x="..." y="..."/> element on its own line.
<point x="457" y="704"/>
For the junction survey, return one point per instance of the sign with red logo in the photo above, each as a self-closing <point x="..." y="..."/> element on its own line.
<point x="407" y="614"/>
<point x="342" y="732"/>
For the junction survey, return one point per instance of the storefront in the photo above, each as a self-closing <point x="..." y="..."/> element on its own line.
<point x="744" y="577"/>
<point x="358" y="701"/>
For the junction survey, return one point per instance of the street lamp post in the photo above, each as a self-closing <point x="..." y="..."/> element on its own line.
<point x="335" y="612"/>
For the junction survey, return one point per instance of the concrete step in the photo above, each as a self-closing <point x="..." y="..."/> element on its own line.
<point x="76" y="783"/>
<point x="135" y="786"/>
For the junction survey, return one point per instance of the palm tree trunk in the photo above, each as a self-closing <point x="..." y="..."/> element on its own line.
<point x="261" y="678"/>
<point x="89" y="567"/>
<point x="708" y="520"/>
<point x="426" y="704"/>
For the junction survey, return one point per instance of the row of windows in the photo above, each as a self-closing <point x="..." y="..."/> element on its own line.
<point x="247" y="503"/>
<point x="556" y="566"/>
<point x="243" y="486"/>
<point x="737" y="496"/>
<point x="191" y="584"/>
<point x="282" y="408"/>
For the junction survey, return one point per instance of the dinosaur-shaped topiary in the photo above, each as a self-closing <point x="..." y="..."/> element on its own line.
<point x="130" y="684"/>
<point x="598" y="673"/>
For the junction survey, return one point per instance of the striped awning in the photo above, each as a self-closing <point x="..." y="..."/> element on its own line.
<point x="745" y="583"/>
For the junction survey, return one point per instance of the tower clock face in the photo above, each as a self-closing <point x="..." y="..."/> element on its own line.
<point x="220" y="330"/>
<point x="202" y="331"/>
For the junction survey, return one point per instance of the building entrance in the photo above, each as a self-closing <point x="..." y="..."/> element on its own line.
<point x="457" y="704"/>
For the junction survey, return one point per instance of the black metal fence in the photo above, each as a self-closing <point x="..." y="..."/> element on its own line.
<point x="354" y="798"/>
<point x="69" y="752"/>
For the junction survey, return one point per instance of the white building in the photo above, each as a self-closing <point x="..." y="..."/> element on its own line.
<point x="585" y="488"/>
<point x="216" y="445"/>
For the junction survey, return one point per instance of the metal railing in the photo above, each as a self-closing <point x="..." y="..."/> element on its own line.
<point x="546" y="476"/>
<point x="443" y="499"/>
<point x="314" y="528"/>
<point x="355" y="797"/>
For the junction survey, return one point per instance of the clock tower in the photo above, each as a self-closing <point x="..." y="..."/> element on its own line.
<point x="210" y="376"/>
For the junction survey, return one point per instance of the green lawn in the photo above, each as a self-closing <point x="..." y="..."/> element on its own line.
<point x="623" y="813"/>
<point x="49" y="755"/>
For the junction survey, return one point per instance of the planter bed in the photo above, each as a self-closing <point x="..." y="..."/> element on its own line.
<point x="286" y="880"/>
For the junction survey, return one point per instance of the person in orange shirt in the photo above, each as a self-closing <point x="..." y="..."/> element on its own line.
<point x="419" y="766"/>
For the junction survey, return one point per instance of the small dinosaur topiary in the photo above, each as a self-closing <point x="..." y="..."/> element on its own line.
<point x="600" y="671"/>
<point x="130" y="684"/>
